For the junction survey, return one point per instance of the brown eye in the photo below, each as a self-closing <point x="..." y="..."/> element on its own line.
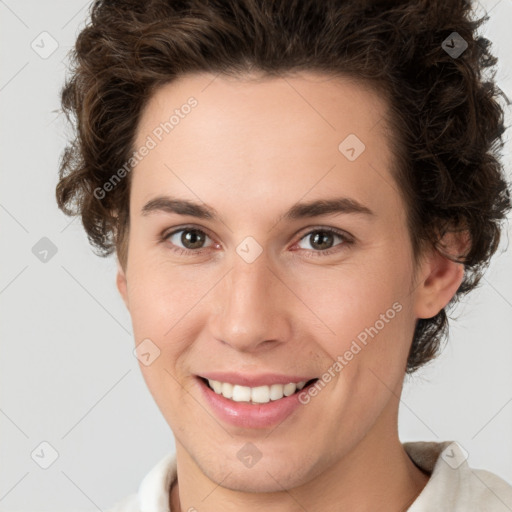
<point x="323" y="239"/>
<point x="187" y="239"/>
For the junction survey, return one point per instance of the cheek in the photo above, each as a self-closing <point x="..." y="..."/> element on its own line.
<point x="336" y="304"/>
<point x="342" y="301"/>
<point x="159" y="309"/>
<point x="164" y="301"/>
<point x="349" y="300"/>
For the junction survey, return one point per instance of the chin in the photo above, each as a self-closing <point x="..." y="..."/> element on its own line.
<point x="263" y="477"/>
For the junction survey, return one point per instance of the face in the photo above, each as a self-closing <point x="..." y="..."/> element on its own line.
<point x="249" y="295"/>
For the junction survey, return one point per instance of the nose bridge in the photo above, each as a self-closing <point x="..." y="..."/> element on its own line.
<point x="251" y="305"/>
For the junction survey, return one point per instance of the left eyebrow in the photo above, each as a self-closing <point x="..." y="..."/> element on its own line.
<point x="325" y="207"/>
<point x="338" y="205"/>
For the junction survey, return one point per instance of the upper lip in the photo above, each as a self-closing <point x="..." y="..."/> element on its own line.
<point x="262" y="379"/>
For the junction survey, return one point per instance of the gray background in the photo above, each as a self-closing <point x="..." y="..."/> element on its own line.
<point x="68" y="374"/>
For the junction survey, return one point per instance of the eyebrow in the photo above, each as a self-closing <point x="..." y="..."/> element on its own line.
<point x="338" y="205"/>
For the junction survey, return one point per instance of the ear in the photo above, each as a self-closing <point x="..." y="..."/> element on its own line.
<point x="440" y="277"/>
<point x="122" y="284"/>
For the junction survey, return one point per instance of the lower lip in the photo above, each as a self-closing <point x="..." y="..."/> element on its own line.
<point x="244" y="414"/>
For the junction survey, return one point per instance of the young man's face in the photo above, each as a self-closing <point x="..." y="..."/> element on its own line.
<point x="258" y="294"/>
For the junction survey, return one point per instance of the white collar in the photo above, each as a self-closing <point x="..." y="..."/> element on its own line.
<point x="153" y="494"/>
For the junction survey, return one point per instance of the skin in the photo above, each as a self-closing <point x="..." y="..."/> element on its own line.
<point x="251" y="149"/>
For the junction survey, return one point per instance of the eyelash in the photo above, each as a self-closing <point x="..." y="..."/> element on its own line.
<point x="346" y="241"/>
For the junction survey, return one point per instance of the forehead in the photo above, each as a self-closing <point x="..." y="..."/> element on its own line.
<point x="262" y="106"/>
<point x="297" y="135"/>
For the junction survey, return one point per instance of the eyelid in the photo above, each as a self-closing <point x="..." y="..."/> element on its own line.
<point x="164" y="237"/>
<point x="346" y="237"/>
<point x="316" y="227"/>
<point x="166" y="233"/>
<point x="346" y="241"/>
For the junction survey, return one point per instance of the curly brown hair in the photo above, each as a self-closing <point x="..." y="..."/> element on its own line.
<point x="445" y="118"/>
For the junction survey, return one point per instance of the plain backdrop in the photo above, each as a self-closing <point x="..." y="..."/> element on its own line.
<point x="69" y="378"/>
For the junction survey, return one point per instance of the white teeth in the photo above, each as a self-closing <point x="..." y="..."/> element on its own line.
<point x="216" y="385"/>
<point x="258" y="395"/>
<point x="227" y="390"/>
<point x="276" y="391"/>
<point x="289" y="389"/>
<point x="241" y="393"/>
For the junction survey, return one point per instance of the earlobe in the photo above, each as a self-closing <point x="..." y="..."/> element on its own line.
<point x="442" y="280"/>
<point x="122" y="284"/>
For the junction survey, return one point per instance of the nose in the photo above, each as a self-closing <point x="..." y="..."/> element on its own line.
<point x="253" y="307"/>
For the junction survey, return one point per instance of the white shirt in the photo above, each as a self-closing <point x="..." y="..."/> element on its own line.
<point x="453" y="485"/>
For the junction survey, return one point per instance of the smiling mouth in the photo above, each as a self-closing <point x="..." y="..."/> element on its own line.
<point x="256" y="395"/>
